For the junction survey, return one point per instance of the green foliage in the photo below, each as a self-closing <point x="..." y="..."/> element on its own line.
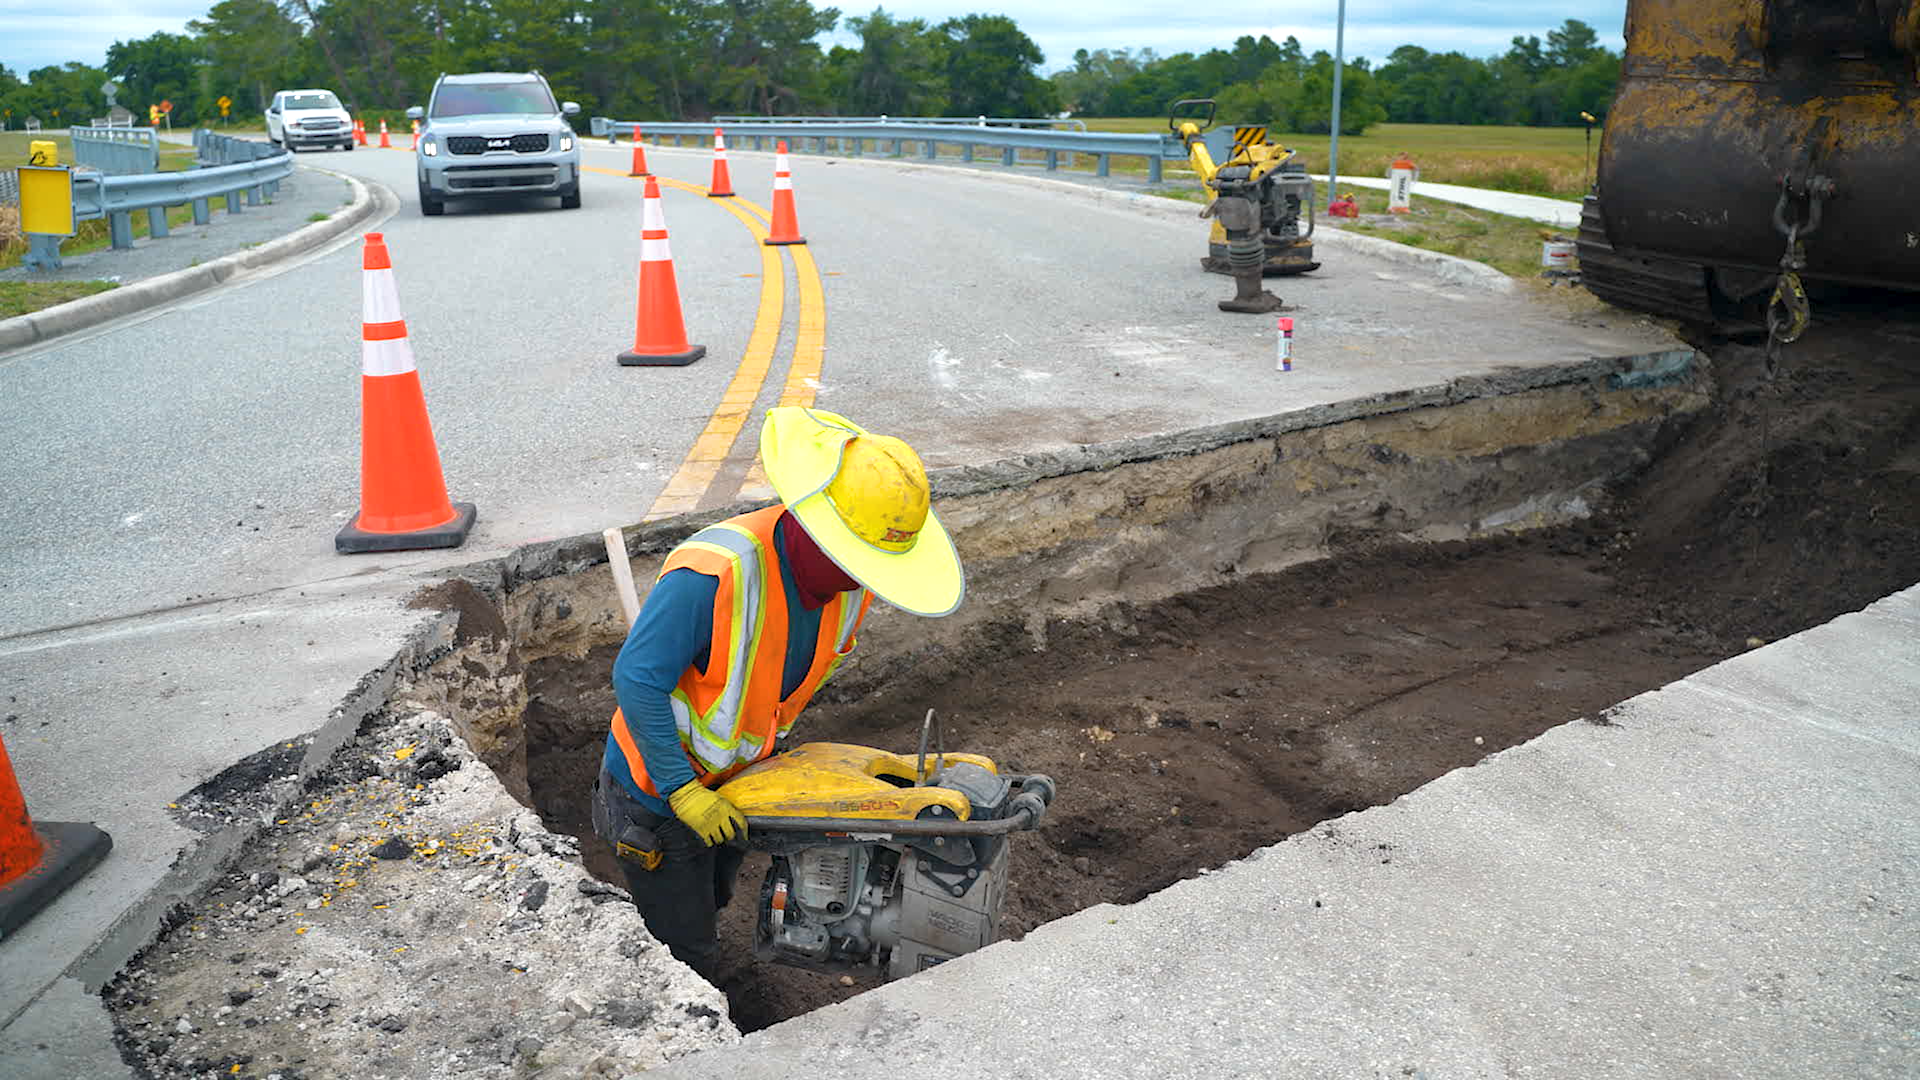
<point x="682" y="59"/>
<point x="1258" y="81"/>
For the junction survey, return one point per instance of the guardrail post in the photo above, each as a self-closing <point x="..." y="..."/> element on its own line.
<point x="233" y="201"/>
<point x="156" y="221"/>
<point x="1053" y="160"/>
<point x="899" y="147"/>
<point x="202" y="211"/>
<point x="1153" y="170"/>
<point x="966" y="151"/>
<point x="932" y="150"/>
<point x="1100" y="165"/>
<point x="1006" y="156"/>
<point x="120" y="229"/>
<point x="253" y="195"/>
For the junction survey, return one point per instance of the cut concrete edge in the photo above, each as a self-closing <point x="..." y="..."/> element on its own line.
<point x="566" y="555"/>
<point x="202" y="861"/>
<point x="1451" y="269"/>
<point x="147" y="293"/>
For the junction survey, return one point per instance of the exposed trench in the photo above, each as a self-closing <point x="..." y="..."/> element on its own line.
<point x="1217" y="645"/>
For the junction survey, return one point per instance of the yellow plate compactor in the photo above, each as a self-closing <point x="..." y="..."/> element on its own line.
<point x="881" y="866"/>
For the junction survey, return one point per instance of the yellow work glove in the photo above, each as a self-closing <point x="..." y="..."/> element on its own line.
<point x="707" y="813"/>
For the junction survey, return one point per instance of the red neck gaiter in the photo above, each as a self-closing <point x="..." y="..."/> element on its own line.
<point x="818" y="577"/>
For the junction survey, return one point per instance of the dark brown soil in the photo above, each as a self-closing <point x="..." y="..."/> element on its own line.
<point x="1227" y="720"/>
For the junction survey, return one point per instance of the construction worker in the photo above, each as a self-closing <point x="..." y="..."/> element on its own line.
<point x="747" y="618"/>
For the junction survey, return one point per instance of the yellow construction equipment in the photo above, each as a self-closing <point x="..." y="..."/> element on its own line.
<point x="1757" y="152"/>
<point x="882" y="864"/>
<point x="1261" y="196"/>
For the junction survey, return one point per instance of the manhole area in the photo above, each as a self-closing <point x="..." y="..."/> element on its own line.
<point x="1188" y="733"/>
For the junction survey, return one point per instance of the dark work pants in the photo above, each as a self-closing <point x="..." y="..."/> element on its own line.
<point x="681" y="899"/>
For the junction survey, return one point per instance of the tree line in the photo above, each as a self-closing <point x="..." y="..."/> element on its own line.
<point x="693" y="59"/>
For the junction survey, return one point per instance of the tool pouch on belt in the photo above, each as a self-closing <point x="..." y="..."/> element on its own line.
<point x="632" y="842"/>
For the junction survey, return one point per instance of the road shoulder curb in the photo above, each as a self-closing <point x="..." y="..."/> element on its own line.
<point x="44" y="325"/>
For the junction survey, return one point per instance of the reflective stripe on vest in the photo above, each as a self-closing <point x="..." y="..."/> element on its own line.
<point x="729" y="715"/>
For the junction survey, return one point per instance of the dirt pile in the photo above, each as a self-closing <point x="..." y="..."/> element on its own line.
<point x="409" y="919"/>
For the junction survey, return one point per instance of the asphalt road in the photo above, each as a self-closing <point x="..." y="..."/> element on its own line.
<point x="212" y="450"/>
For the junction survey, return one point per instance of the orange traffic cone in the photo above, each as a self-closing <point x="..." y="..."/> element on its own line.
<point x="639" y="156"/>
<point x="403" y="496"/>
<point x="786" y="229"/>
<point x="722" y="185"/>
<point x="360" y="132"/>
<point x="416" y="136"/>
<point x="383" y="134"/>
<point x="659" y="333"/>
<point x="38" y="862"/>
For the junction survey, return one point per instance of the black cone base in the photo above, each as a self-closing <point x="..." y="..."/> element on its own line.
<point x="73" y="848"/>
<point x="679" y="359"/>
<point x="354" y="540"/>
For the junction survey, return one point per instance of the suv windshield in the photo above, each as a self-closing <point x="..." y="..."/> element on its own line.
<point x="481" y="99"/>
<point x="321" y="100"/>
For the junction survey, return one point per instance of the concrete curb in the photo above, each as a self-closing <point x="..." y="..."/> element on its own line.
<point x="1451" y="269"/>
<point x="39" y="326"/>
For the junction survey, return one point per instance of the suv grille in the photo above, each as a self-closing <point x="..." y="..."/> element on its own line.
<point x="477" y="144"/>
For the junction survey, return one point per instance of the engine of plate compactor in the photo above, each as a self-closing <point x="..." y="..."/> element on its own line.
<point x="882" y="864"/>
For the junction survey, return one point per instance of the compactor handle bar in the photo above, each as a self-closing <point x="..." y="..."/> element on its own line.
<point x="1036" y="791"/>
<point x="1174" y="118"/>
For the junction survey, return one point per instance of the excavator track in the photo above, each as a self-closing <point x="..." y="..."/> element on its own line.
<point x="1669" y="287"/>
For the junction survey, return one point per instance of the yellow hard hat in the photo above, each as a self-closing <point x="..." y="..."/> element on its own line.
<point x="864" y="498"/>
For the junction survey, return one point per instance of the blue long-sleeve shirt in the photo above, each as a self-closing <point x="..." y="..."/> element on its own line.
<point x="673" y="633"/>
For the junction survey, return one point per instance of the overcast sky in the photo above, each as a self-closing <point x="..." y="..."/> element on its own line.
<point x="35" y="33"/>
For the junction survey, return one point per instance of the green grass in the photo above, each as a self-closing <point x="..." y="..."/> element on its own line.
<point x="25" y="297"/>
<point x="1508" y="244"/>
<point x="1532" y="161"/>
<point x="318" y="216"/>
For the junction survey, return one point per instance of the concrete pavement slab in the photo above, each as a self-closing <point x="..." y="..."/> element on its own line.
<point x="1710" y="880"/>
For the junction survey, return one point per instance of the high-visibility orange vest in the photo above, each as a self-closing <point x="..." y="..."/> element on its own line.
<point x="730" y="714"/>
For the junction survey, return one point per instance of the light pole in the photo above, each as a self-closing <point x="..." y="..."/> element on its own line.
<point x="1339" y="61"/>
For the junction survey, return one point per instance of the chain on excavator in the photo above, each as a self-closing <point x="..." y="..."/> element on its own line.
<point x="1262" y="205"/>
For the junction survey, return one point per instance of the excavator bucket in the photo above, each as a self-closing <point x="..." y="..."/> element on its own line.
<point x="1743" y="127"/>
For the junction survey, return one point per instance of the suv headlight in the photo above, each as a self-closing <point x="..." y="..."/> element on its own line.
<point x="430" y="146"/>
<point x="566" y="141"/>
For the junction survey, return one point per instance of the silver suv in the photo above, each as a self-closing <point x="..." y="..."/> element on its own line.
<point x="494" y="135"/>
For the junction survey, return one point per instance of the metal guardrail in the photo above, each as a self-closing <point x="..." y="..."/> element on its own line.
<point x="972" y="121"/>
<point x="252" y="178"/>
<point x="212" y="148"/>
<point x="849" y="138"/>
<point x="117" y="151"/>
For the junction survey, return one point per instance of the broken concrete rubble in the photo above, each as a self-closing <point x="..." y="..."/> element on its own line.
<point x="410" y="919"/>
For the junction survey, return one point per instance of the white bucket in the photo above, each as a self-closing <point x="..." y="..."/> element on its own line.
<point x="1556" y="254"/>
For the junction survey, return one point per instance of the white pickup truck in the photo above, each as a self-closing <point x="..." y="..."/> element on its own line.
<point x="300" y="118"/>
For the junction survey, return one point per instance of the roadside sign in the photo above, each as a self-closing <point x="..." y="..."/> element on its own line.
<point x="166" y="106"/>
<point x="46" y="200"/>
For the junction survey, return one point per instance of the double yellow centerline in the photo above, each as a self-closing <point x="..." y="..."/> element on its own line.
<point x="694" y="479"/>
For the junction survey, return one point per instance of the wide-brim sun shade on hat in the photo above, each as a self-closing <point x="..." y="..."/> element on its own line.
<point x="864" y="499"/>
